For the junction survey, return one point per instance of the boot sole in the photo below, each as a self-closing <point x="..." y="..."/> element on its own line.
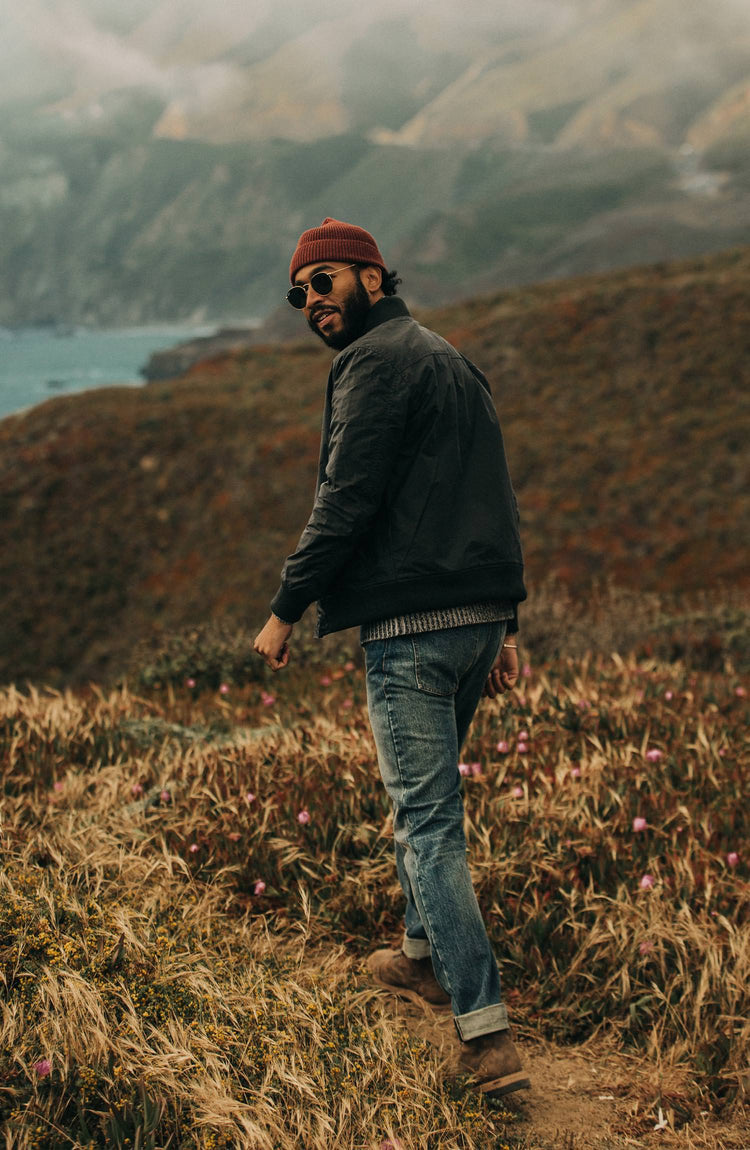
<point x="505" y="1085"/>
<point x="411" y="995"/>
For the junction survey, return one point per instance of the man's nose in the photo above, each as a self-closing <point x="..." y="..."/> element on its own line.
<point x="312" y="297"/>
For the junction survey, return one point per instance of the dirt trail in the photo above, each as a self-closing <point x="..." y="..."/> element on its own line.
<point x="593" y="1097"/>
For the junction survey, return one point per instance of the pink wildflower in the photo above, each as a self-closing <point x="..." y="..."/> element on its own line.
<point x="325" y="680"/>
<point x="266" y="699"/>
<point x="669" y="695"/>
<point x="303" y="817"/>
<point x="136" y="789"/>
<point x="249" y="797"/>
<point x="523" y="736"/>
<point x="733" y="858"/>
<point x="653" y="755"/>
<point x="522" y="748"/>
<point x="43" y="1067"/>
<point x="190" y="683"/>
<point x="475" y="768"/>
<point x="59" y="786"/>
<point x="575" y="772"/>
<point x="349" y="665"/>
<point x="194" y="848"/>
<point x="259" y="887"/>
<point x="464" y="769"/>
<point x="224" y="689"/>
<point x="646" y="947"/>
<point x="235" y="836"/>
<point x="503" y="746"/>
<point x="740" y="692"/>
<point x="526" y="671"/>
<point x="165" y="797"/>
<point x="347" y="704"/>
<point x="647" y="882"/>
<point x="518" y="792"/>
<point x="639" y="823"/>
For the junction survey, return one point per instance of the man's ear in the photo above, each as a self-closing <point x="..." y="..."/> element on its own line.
<point x="372" y="278"/>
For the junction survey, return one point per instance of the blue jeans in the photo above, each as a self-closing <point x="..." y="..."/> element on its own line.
<point x="422" y="691"/>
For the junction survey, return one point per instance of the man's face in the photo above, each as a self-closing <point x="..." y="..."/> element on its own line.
<point x="338" y="317"/>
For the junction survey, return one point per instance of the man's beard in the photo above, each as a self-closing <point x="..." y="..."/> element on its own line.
<point x="353" y="311"/>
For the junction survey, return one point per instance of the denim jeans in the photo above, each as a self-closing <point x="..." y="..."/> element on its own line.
<point x="422" y="691"/>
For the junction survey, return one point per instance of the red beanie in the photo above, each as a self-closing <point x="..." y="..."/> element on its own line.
<point x="336" y="241"/>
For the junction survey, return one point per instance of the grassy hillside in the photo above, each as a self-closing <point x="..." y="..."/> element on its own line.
<point x="624" y="402"/>
<point x="627" y="406"/>
<point x="192" y="879"/>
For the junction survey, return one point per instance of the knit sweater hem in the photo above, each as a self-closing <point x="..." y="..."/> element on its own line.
<point x="421" y="622"/>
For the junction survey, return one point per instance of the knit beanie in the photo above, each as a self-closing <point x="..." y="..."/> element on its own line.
<point x="336" y="241"/>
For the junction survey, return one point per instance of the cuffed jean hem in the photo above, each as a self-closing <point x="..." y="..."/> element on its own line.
<point x="416" y="947"/>
<point x="484" y="1021"/>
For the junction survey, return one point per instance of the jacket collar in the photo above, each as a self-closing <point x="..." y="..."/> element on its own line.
<point x="389" y="307"/>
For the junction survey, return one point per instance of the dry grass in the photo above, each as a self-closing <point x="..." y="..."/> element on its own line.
<point x="186" y="952"/>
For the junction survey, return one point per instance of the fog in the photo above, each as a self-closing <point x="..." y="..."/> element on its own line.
<point x="55" y="47"/>
<point x="240" y="70"/>
<point x="627" y="119"/>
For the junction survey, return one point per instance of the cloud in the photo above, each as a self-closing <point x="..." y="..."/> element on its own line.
<point x="196" y="50"/>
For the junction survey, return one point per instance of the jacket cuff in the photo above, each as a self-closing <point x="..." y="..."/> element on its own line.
<point x="512" y="626"/>
<point x="287" y="607"/>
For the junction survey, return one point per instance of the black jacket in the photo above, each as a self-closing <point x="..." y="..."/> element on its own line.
<point x="414" y="507"/>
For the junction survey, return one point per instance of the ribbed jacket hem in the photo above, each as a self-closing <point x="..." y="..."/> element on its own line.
<point x="441" y="619"/>
<point x="352" y="607"/>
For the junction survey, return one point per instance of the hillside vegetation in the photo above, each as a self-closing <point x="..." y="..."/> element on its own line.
<point x="198" y="855"/>
<point x="624" y="402"/>
<point x="192" y="879"/>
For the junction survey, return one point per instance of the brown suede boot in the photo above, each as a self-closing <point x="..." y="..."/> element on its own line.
<point x="494" y="1062"/>
<point x="411" y="978"/>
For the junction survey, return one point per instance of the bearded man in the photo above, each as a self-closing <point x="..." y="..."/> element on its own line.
<point x="413" y="537"/>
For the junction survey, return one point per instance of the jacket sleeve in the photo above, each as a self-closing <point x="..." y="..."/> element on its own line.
<point x="368" y="416"/>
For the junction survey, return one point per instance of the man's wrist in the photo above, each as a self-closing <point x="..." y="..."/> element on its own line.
<point x="280" y="620"/>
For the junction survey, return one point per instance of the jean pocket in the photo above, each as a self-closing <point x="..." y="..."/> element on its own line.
<point x="437" y="662"/>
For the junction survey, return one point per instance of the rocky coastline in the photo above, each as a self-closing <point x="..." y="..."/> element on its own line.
<point x="281" y="326"/>
<point x="174" y="361"/>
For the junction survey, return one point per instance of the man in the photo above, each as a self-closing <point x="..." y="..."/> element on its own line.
<point x="414" y="537"/>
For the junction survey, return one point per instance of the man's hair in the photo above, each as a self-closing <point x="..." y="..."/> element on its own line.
<point x="391" y="280"/>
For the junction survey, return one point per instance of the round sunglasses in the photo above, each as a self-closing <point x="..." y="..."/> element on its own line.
<point x="321" y="283"/>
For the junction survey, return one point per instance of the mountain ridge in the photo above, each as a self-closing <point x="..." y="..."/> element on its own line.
<point x="159" y="164"/>
<point x="200" y="65"/>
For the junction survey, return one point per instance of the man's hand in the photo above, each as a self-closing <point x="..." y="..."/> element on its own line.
<point x="503" y="674"/>
<point x="272" y="643"/>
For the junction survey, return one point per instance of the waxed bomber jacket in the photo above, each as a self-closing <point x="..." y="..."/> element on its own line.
<point x="414" y="507"/>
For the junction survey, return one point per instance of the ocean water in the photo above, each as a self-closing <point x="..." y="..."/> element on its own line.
<point x="38" y="363"/>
